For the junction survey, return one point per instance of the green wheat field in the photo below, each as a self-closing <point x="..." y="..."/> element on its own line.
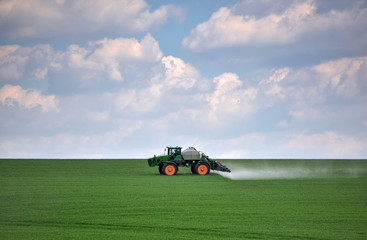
<point x="126" y="199"/>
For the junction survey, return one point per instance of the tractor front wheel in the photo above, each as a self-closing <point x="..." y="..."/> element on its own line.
<point x="202" y="168"/>
<point x="169" y="169"/>
<point x="193" y="170"/>
<point x="160" y="168"/>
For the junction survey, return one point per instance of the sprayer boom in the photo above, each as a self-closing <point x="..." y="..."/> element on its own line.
<point x="218" y="166"/>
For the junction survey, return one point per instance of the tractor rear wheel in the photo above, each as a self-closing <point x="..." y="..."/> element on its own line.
<point x="202" y="168"/>
<point x="170" y="169"/>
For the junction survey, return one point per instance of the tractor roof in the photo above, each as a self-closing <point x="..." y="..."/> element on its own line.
<point x="175" y="147"/>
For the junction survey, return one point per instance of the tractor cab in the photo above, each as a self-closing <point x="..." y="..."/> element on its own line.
<point x="173" y="151"/>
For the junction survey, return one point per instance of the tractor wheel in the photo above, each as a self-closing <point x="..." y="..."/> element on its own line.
<point x="160" y="169"/>
<point x="202" y="168"/>
<point x="169" y="169"/>
<point x="193" y="170"/>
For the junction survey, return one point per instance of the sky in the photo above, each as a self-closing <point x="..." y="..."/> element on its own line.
<point x="235" y="79"/>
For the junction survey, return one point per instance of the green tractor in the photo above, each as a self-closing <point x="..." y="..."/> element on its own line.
<point x="173" y="158"/>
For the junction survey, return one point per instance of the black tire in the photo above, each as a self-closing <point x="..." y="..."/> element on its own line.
<point x="193" y="170"/>
<point x="160" y="168"/>
<point x="169" y="169"/>
<point x="202" y="168"/>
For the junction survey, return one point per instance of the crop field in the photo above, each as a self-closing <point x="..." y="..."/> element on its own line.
<point x="126" y="199"/>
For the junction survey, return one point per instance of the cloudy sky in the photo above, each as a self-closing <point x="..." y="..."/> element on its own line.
<point x="235" y="79"/>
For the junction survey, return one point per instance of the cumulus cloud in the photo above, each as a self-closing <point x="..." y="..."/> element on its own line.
<point x="101" y="66"/>
<point x="325" y="94"/>
<point x="135" y="89"/>
<point x="111" y="56"/>
<point x="31" y="62"/>
<point x="27" y="98"/>
<point x="303" y="94"/>
<point x="305" y="97"/>
<point x="336" y="80"/>
<point x="51" y="19"/>
<point x="229" y="98"/>
<point x="163" y="102"/>
<point x="78" y="67"/>
<point x="134" y="101"/>
<point x="178" y="73"/>
<point x="234" y="27"/>
<point x="346" y="77"/>
<point x="172" y="73"/>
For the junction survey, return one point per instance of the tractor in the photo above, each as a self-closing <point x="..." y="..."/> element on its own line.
<point x="173" y="158"/>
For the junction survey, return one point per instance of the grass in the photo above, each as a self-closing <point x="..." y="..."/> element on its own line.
<point x="126" y="199"/>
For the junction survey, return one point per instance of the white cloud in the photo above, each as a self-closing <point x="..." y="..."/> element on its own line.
<point x="100" y="66"/>
<point x="304" y="93"/>
<point x="330" y="144"/>
<point x="311" y="88"/>
<point x="178" y="73"/>
<point x="272" y="86"/>
<point x="11" y="64"/>
<point x="112" y="56"/>
<point x="99" y="61"/>
<point x="72" y="145"/>
<point x="28" y="98"/>
<point x="229" y="98"/>
<point x="346" y="77"/>
<point x="234" y="100"/>
<point x="50" y="19"/>
<point x="320" y="96"/>
<point x="160" y="96"/>
<point x="127" y="49"/>
<point x="136" y="101"/>
<point x="230" y="27"/>
<point x="172" y="73"/>
<point x="30" y="62"/>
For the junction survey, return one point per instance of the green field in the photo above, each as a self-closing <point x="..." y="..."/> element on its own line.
<point x="126" y="199"/>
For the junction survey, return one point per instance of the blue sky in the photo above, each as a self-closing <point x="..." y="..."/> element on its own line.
<point x="235" y="79"/>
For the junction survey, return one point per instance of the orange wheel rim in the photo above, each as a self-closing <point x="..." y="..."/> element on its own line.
<point x="170" y="170"/>
<point x="202" y="169"/>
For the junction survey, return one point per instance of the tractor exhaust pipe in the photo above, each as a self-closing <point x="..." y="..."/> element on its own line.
<point x="218" y="166"/>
